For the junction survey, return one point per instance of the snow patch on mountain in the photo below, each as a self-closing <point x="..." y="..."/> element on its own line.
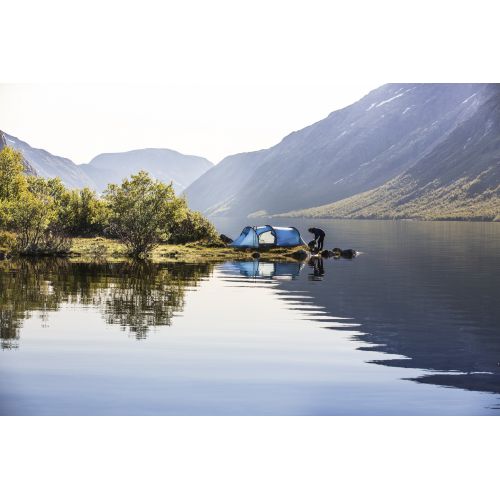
<point x="389" y="100"/>
<point x="469" y="98"/>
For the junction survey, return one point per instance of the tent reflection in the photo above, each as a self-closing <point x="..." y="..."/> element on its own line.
<point x="260" y="269"/>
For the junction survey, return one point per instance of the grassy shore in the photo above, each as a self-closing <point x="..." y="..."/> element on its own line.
<point x="88" y="249"/>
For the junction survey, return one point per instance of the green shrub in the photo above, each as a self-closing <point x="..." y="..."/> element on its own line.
<point x="82" y="213"/>
<point x="193" y="227"/>
<point x="34" y="220"/>
<point x="142" y="212"/>
<point x="7" y="241"/>
<point x="12" y="178"/>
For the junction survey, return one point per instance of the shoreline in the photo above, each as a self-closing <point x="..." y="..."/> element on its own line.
<point x="108" y="250"/>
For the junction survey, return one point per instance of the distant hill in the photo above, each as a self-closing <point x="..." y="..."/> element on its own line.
<point x="403" y="145"/>
<point x="164" y="164"/>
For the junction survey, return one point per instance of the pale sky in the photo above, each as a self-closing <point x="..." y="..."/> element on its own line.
<point x="229" y="75"/>
<point x="79" y="121"/>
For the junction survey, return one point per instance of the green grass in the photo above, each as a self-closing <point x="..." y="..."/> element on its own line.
<point x="88" y="249"/>
<point x="402" y="199"/>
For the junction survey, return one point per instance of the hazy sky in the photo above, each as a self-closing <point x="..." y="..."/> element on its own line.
<point x="80" y="121"/>
<point x="232" y="75"/>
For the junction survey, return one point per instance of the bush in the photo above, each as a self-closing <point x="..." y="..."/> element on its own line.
<point x="79" y="212"/>
<point x="142" y="212"/>
<point x="7" y="241"/>
<point x="34" y="219"/>
<point x="52" y="242"/>
<point x="82" y="213"/>
<point x="12" y="178"/>
<point x="193" y="227"/>
<point x="30" y="218"/>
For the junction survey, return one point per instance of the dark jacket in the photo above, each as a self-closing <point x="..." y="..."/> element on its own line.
<point x="318" y="233"/>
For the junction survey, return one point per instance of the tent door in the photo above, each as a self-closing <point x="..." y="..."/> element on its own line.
<point x="267" y="238"/>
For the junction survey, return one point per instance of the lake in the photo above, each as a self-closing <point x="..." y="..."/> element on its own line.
<point x="410" y="326"/>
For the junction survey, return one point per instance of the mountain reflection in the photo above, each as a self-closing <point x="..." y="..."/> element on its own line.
<point x="440" y="322"/>
<point x="134" y="295"/>
<point x="409" y="304"/>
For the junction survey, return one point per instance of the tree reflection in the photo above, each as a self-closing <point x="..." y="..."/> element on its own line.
<point x="134" y="295"/>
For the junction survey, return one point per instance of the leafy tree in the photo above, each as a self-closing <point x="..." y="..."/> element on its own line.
<point x="79" y="211"/>
<point x="7" y="242"/>
<point x="91" y="213"/>
<point x="30" y="218"/>
<point x="83" y="214"/>
<point x="193" y="227"/>
<point x="143" y="211"/>
<point x="12" y="182"/>
<point x="12" y="178"/>
<point x="53" y="188"/>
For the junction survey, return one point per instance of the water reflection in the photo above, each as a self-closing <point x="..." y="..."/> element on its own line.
<point x="262" y="269"/>
<point x="422" y="301"/>
<point x="425" y="293"/>
<point x="318" y="269"/>
<point x="451" y="338"/>
<point x="134" y="295"/>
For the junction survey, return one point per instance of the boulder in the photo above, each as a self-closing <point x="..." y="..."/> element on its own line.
<point x="300" y="255"/>
<point x="348" y="254"/>
<point x="225" y="239"/>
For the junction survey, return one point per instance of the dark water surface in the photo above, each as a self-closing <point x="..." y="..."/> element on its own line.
<point x="411" y="326"/>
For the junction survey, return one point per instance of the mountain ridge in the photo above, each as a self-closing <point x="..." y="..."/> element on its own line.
<point x="353" y="150"/>
<point x="468" y="190"/>
<point x="421" y="151"/>
<point x="164" y="164"/>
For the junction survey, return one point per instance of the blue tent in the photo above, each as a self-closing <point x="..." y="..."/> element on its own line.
<point x="258" y="269"/>
<point x="268" y="236"/>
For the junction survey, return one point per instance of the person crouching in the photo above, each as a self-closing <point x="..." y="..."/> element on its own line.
<point x="319" y="238"/>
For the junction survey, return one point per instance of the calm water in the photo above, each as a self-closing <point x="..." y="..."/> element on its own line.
<point x="411" y="326"/>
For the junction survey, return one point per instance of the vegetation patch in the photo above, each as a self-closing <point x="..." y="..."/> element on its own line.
<point x="402" y="198"/>
<point x="136" y="219"/>
<point x="89" y="249"/>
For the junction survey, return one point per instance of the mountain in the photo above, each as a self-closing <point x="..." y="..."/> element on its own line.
<point x="47" y="165"/>
<point x="7" y="140"/>
<point x="221" y="188"/>
<point x="164" y="164"/>
<point x="365" y="146"/>
<point x="458" y="179"/>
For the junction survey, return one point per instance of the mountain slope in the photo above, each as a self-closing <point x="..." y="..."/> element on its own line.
<point x="163" y="164"/>
<point x="220" y="186"/>
<point x="459" y="179"/>
<point x="41" y="162"/>
<point x="353" y="150"/>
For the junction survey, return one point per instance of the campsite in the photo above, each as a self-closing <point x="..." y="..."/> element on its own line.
<point x="266" y="243"/>
<point x="273" y="227"/>
<point x="88" y="249"/>
<point x="149" y="282"/>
